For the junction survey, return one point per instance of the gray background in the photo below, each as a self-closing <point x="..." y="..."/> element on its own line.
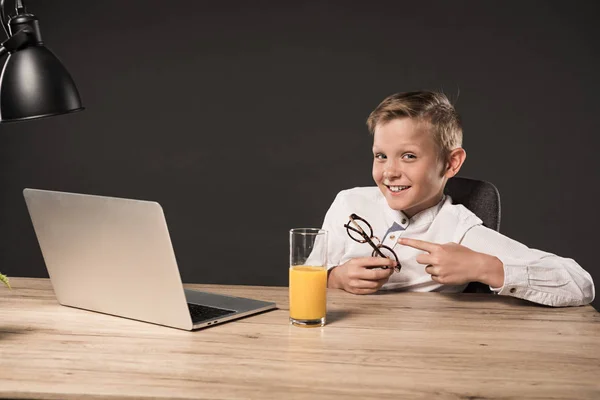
<point x="244" y="119"/>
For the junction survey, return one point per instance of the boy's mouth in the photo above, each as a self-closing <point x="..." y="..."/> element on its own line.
<point x="397" y="188"/>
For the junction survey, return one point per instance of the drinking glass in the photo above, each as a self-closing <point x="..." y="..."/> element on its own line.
<point x="308" y="277"/>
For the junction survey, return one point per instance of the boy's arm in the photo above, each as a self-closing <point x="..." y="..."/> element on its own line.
<point x="532" y="274"/>
<point x="333" y="224"/>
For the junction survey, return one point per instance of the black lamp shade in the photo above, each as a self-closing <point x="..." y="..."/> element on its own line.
<point x="35" y="84"/>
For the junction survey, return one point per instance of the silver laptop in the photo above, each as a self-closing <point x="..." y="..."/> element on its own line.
<point x="114" y="256"/>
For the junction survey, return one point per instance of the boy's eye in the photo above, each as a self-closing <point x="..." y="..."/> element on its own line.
<point x="409" y="156"/>
<point x="380" y="156"/>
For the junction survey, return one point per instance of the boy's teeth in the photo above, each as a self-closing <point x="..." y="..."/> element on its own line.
<point x="397" y="188"/>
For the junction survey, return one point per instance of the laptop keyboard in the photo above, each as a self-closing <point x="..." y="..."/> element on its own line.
<point x="201" y="313"/>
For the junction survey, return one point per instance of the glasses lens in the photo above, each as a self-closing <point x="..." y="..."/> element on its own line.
<point x="362" y="225"/>
<point x="388" y="253"/>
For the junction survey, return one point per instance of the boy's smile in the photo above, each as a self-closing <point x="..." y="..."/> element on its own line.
<point x="407" y="166"/>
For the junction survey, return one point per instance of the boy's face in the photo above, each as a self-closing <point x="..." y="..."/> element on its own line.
<point x="406" y="165"/>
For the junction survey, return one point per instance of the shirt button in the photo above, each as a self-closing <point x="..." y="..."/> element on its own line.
<point x="403" y="220"/>
<point x="512" y="290"/>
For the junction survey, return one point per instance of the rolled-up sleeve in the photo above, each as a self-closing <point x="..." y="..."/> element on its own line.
<point x="532" y="274"/>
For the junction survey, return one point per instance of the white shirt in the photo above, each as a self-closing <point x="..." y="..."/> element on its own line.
<point x="529" y="274"/>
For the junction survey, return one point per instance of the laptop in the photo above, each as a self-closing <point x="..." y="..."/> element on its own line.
<point x="114" y="256"/>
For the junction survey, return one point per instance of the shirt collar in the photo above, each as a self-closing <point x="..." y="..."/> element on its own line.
<point x="428" y="215"/>
<point x="424" y="217"/>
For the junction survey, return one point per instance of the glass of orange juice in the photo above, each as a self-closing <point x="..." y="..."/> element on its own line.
<point x="308" y="277"/>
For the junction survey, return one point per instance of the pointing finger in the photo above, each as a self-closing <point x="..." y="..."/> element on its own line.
<point x="419" y="244"/>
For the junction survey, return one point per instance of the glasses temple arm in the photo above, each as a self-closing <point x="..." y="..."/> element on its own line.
<point x="360" y="232"/>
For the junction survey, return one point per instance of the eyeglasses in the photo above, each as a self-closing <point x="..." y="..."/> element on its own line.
<point x="357" y="229"/>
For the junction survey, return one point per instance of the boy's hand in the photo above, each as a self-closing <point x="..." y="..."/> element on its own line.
<point x="453" y="264"/>
<point x="361" y="275"/>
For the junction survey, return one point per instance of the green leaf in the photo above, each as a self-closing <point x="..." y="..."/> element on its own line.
<point x="5" y="280"/>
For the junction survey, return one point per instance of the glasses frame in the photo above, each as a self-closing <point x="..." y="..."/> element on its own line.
<point x="368" y="239"/>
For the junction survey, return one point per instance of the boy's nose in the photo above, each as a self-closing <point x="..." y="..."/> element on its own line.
<point x="391" y="170"/>
<point x="390" y="174"/>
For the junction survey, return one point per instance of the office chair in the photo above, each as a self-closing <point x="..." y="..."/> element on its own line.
<point x="482" y="199"/>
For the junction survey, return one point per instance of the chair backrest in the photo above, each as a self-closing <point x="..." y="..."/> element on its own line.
<point x="482" y="199"/>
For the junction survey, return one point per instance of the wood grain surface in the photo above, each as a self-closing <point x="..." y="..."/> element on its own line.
<point x="384" y="346"/>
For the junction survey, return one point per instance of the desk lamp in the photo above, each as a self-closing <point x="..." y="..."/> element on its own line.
<point x="34" y="83"/>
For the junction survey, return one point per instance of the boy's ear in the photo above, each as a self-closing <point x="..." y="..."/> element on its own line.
<point x="456" y="158"/>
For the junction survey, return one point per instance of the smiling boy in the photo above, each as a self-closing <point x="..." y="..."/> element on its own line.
<point x="417" y="147"/>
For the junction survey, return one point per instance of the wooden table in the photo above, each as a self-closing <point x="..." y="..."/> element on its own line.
<point x="395" y="345"/>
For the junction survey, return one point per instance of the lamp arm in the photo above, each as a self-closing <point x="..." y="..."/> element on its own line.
<point x="3" y="21"/>
<point x="16" y="41"/>
<point x="19" y="7"/>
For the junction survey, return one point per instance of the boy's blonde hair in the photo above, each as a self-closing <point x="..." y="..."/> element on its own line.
<point x="426" y="106"/>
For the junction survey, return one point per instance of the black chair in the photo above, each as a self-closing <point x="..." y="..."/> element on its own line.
<point x="482" y="199"/>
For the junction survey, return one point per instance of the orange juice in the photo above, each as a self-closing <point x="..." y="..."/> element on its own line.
<point x="308" y="292"/>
